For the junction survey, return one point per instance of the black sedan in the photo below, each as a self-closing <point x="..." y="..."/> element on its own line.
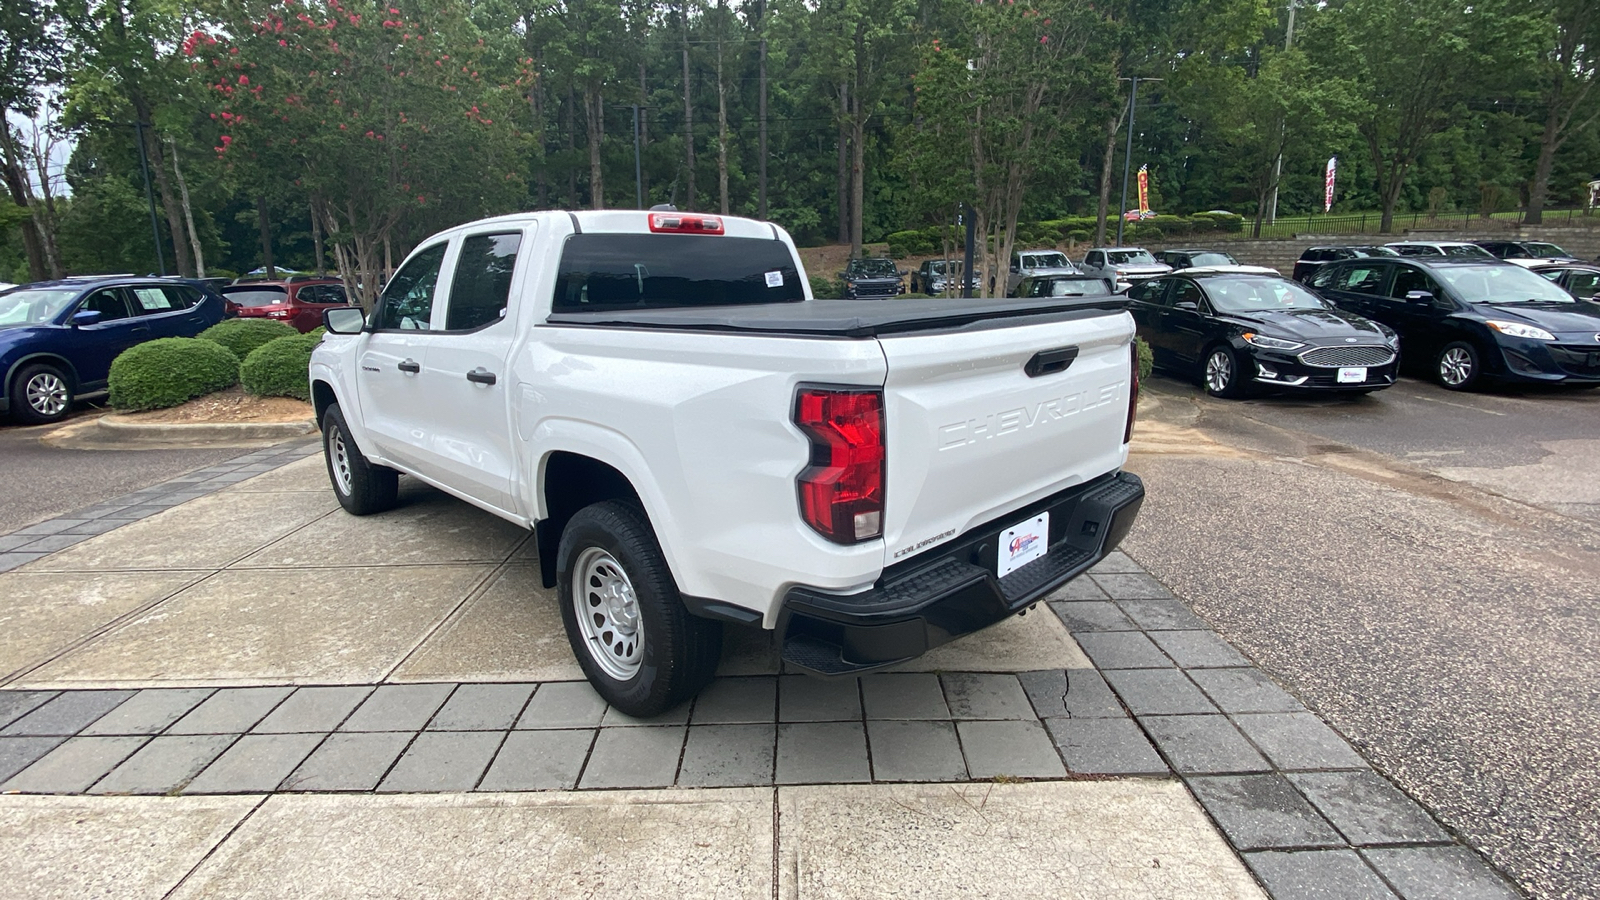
<point x="1581" y="280"/>
<point x="1470" y="321"/>
<point x="1239" y="330"/>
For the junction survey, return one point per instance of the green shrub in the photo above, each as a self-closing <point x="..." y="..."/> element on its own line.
<point x="1080" y="234"/>
<point x="1147" y="359"/>
<point x="244" y="335"/>
<point x="167" y="371"/>
<point x="824" y="288"/>
<point x="279" y="367"/>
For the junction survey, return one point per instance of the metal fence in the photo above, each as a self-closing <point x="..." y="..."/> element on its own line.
<point x="1367" y="223"/>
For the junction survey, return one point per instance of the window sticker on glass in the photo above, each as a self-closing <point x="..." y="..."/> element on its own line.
<point x="774" y="279"/>
<point x="152" y="298"/>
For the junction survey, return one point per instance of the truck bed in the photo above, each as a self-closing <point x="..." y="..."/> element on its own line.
<point x="851" y="318"/>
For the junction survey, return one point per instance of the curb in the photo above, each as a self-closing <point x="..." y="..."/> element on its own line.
<point x="116" y="428"/>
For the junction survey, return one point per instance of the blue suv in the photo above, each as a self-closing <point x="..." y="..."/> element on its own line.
<point x="58" y="338"/>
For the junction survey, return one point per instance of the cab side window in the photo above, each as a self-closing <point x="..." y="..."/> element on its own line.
<point x="1407" y="280"/>
<point x="108" y="303"/>
<point x="407" y="300"/>
<point x="481" y="286"/>
<point x="1095" y="258"/>
<point x="1186" y="292"/>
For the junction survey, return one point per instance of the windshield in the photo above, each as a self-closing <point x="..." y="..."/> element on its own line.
<point x="256" y="296"/>
<point x="1259" y="295"/>
<point x="33" y="307"/>
<point x="873" y="268"/>
<point x="1130" y="258"/>
<point x="1537" y="250"/>
<point x="658" y="271"/>
<point x="1212" y="259"/>
<point x="1466" y="251"/>
<point x="1501" y="284"/>
<point x="1045" y="261"/>
<point x="1067" y="287"/>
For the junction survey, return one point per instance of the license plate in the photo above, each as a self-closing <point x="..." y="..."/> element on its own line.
<point x="1022" y="544"/>
<point x="1352" y="376"/>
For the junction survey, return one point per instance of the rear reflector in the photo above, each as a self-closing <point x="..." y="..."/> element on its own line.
<point x="841" y="492"/>
<point x="1133" y="388"/>
<point x="685" y="224"/>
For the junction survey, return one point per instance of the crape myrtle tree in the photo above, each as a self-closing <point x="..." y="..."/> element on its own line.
<point x="381" y="115"/>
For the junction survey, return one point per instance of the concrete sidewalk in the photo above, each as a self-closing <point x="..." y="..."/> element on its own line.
<point x="237" y="689"/>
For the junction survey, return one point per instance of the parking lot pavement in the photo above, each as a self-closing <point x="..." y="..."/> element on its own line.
<point x="326" y="679"/>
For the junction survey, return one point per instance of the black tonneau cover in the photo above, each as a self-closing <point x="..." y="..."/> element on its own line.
<point x="850" y="318"/>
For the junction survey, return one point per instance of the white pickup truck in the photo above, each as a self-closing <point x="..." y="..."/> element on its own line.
<point x="695" y="440"/>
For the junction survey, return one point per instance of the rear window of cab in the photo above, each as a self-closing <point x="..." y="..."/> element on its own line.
<point x="662" y="271"/>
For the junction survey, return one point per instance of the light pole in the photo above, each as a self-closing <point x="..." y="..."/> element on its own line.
<point x="144" y="165"/>
<point x="1277" y="165"/>
<point x="638" y="171"/>
<point x="1127" y="157"/>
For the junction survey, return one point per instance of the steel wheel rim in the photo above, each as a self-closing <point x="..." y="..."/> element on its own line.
<point x="1219" y="372"/>
<point x="607" y="610"/>
<point x="340" y="454"/>
<point x="47" y="394"/>
<point x="1455" y="366"/>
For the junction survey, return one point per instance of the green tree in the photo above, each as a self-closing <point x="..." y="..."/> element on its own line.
<point x="29" y="60"/>
<point x="1568" y="70"/>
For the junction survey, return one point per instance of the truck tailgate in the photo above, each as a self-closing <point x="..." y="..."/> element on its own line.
<point x="975" y="432"/>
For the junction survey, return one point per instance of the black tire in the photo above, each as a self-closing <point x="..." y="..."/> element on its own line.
<point x="363" y="488"/>
<point x="669" y="655"/>
<point x="1227" y="380"/>
<point x="1458" y="366"/>
<point x="41" y="394"/>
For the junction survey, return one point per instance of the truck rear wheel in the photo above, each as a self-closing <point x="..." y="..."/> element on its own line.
<point x="638" y="645"/>
<point x="363" y="488"/>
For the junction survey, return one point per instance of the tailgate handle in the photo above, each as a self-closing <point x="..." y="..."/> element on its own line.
<point x="1049" y="362"/>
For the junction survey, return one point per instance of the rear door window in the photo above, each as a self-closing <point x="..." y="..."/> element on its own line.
<point x="1584" y="285"/>
<point x="481" y="286"/>
<point x="407" y="300"/>
<point x="152" y="299"/>
<point x="660" y="271"/>
<point x="1361" y="279"/>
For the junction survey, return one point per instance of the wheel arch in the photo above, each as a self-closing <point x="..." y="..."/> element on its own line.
<point x="569" y="481"/>
<point x="43" y="356"/>
<point x="322" y="397"/>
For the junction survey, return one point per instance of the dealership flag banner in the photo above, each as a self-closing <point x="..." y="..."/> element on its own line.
<point x="1327" y="189"/>
<point x="1144" y="189"/>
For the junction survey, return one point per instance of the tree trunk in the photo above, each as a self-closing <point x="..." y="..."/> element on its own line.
<point x="644" y="136"/>
<point x="1113" y="125"/>
<point x="858" y="128"/>
<point x="572" y="144"/>
<point x="688" y="123"/>
<point x="536" y="103"/>
<point x="844" y="163"/>
<point x="265" y="226"/>
<point x="761" y="183"/>
<point x="316" y="241"/>
<point x="188" y="213"/>
<point x="722" y="134"/>
<point x="21" y="195"/>
<point x="1540" y="186"/>
<point x="169" y="200"/>
<point x="594" y="113"/>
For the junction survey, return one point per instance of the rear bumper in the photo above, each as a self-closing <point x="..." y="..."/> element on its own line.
<point x="940" y="595"/>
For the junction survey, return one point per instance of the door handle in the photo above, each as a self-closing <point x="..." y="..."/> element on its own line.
<point x="480" y="375"/>
<point x="409" y="365"/>
<point x="1049" y="362"/>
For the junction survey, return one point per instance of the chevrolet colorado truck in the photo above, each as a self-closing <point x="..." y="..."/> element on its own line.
<point x="695" y="440"/>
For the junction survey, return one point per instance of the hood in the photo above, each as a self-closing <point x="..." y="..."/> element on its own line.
<point x="1581" y="316"/>
<point x="1314" y="326"/>
<point x="1042" y="271"/>
<point x="1141" y="268"/>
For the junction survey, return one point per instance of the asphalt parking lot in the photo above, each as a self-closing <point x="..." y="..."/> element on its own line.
<point x="1421" y="568"/>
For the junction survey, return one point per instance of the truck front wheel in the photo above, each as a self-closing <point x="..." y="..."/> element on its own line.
<point x="638" y="645"/>
<point x="363" y="488"/>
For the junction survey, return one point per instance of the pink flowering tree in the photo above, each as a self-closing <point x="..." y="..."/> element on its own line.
<point x="389" y="120"/>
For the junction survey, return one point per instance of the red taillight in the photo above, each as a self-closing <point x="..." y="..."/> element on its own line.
<point x="841" y="492"/>
<point x="1133" y="389"/>
<point x="685" y="224"/>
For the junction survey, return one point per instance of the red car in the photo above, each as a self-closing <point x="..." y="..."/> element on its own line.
<point x="297" y="301"/>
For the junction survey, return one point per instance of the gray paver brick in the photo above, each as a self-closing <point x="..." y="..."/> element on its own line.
<point x="1298" y="741"/>
<point x="1198" y="649"/>
<point x="149" y="711"/>
<point x="915" y="751"/>
<point x="164" y="764"/>
<point x="256" y="764"/>
<point x="99" y="526"/>
<point x="1121" y="650"/>
<point x="1093" y="615"/>
<point x="1439" y="873"/>
<point x="1161" y="614"/>
<point x="822" y="753"/>
<point x="1018" y="749"/>
<point x="1203" y="744"/>
<point x="539" y="761"/>
<point x="10" y="542"/>
<point x="736" y="701"/>
<point x="1132" y="586"/>
<point x="16" y="704"/>
<point x="398" y="707"/>
<point x="1077" y="589"/>
<point x="1367" y="809"/>
<point x="482" y="707"/>
<point x="640" y="757"/>
<point x="976" y="695"/>
<point x="728" y="755"/>
<point x="9" y="561"/>
<point x="563" y="704"/>
<point x="1073" y="693"/>
<point x="1317" y="875"/>
<point x="805" y="699"/>
<point x="50" y="526"/>
<point x="443" y="761"/>
<point x="67" y="713"/>
<point x="53" y="542"/>
<point x="904" y="695"/>
<point x="678" y="715"/>
<point x="348" y="762"/>
<point x="312" y="709"/>
<point x="1263" y="812"/>
<point x="1244" y="691"/>
<point x="18" y="753"/>
<point x="1116" y="561"/>
<point x="73" y="766"/>
<point x="1158" y="692"/>
<point x="1105" y="747"/>
<point x="231" y="711"/>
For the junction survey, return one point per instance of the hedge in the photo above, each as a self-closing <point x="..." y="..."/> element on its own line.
<point x="244" y="335"/>
<point x="1147" y="359"/>
<point x="167" y="371"/>
<point x="825" y="288"/>
<point x="279" y="367"/>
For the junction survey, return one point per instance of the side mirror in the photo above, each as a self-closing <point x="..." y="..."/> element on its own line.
<point x="1190" y="305"/>
<point x="904" y="272"/>
<point x="1419" y="297"/>
<point x="85" y="317"/>
<point x="344" y="320"/>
